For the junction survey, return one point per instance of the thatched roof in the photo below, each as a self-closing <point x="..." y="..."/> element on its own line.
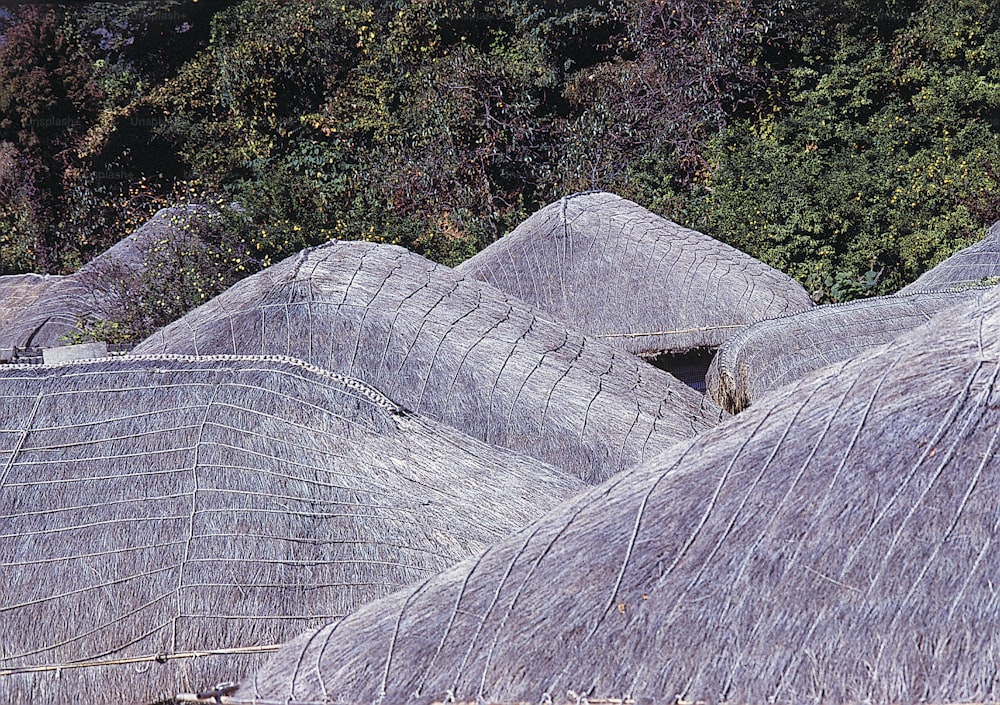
<point x="18" y="291"/>
<point x="152" y="509"/>
<point x="770" y="354"/>
<point x="975" y="265"/>
<point x="612" y="268"/>
<point x="39" y="311"/>
<point x="167" y="226"/>
<point x="453" y="349"/>
<point x="836" y="543"/>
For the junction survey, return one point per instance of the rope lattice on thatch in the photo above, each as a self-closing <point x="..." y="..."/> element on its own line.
<point x="453" y="349"/>
<point x="613" y="269"/>
<point x="835" y="543"/>
<point x="39" y="311"/>
<point x="167" y="521"/>
<point x="770" y="354"/>
<point x="975" y="265"/>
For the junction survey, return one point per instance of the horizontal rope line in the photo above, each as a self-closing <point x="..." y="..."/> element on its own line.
<point x="668" y="332"/>
<point x="228" y="700"/>
<point x="159" y="658"/>
<point x="235" y="700"/>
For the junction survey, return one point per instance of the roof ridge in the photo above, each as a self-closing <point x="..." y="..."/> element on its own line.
<point x="371" y="394"/>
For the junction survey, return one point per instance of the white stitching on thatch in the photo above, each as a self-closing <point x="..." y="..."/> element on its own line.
<point x="369" y="393"/>
<point x="395" y="634"/>
<point x="971" y="423"/>
<point x="191" y="523"/>
<point x="792" y="665"/>
<point x="510" y="608"/>
<point x="481" y="622"/>
<point x="147" y="658"/>
<point x="452" y="616"/>
<point x="20" y="441"/>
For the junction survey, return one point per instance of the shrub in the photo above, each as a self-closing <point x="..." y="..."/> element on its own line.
<point x="202" y="257"/>
<point x="47" y="101"/>
<point x="878" y="161"/>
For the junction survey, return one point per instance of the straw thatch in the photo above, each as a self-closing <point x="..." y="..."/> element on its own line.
<point x="40" y="311"/>
<point x="612" y="268"/>
<point x="836" y="543"/>
<point x="178" y="223"/>
<point x="771" y="354"/>
<point x="155" y="508"/>
<point x="453" y="349"/>
<point x="975" y="265"/>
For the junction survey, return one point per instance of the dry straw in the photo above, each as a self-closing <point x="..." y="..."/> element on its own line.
<point x="835" y="543"/>
<point x="165" y="521"/>
<point x="453" y="349"/>
<point x="37" y="310"/>
<point x="773" y="353"/>
<point x="613" y="269"/>
<point x="216" y="697"/>
<point x="40" y="311"/>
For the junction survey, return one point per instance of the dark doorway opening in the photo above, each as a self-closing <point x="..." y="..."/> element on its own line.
<point x="690" y="367"/>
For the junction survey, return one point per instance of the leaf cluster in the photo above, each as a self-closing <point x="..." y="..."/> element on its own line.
<point x="851" y="144"/>
<point x="871" y="163"/>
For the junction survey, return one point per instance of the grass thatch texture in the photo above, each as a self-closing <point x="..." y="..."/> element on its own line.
<point x="453" y="349"/>
<point x="40" y="311"/>
<point x="162" y="506"/>
<point x="771" y="354"/>
<point x="975" y="265"/>
<point x="166" y="225"/>
<point x="835" y="543"/>
<point x="612" y="268"/>
<point x="37" y="310"/>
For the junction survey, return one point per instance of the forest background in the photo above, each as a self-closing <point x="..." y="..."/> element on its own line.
<point x="850" y="143"/>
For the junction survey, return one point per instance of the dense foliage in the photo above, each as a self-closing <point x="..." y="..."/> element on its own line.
<point x="197" y="257"/>
<point x="851" y="144"/>
<point x="877" y="158"/>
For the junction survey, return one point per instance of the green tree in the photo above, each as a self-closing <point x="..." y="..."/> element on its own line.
<point x="677" y="74"/>
<point x="47" y="101"/>
<point x="873" y="162"/>
<point x="428" y="124"/>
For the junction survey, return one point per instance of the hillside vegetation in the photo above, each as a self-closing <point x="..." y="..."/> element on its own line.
<point x="850" y="144"/>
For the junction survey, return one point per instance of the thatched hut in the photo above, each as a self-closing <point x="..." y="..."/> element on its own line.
<point x="974" y="266"/>
<point x="453" y="349"/>
<point x="836" y="543"/>
<point x="773" y="353"/>
<point x="37" y="311"/>
<point x="167" y="226"/>
<point x="615" y="270"/>
<point x="41" y="311"/>
<point x="165" y="522"/>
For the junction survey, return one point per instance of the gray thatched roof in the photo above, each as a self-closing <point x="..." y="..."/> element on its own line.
<point x="836" y="543"/>
<point x="770" y="354"/>
<point x="612" y="268"/>
<point x="975" y="265"/>
<point x="39" y="311"/>
<point x="167" y="226"/>
<point x="153" y="509"/>
<point x="453" y="349"/>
